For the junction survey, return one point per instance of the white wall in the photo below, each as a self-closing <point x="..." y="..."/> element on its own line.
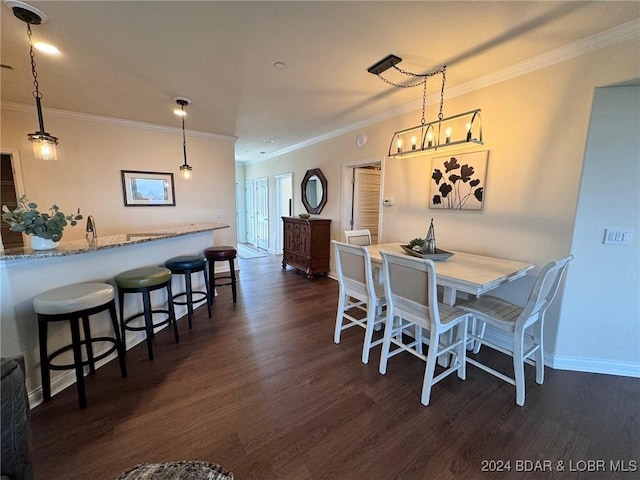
<point x="92" y="152"/>
<point x="602" y="295"/>
<point x="535" y="128"/>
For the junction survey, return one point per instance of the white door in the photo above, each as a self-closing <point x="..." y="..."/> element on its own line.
<point x="284" y="205"/>
<point x="249" y="210"/>
<point x="366" y="200"/>
<point x="242" y="238"/>
<point x="262" y="213"/>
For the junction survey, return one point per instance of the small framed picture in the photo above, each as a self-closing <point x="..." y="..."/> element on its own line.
<point x="147" y="189"/>
<point x="458" y="181"/>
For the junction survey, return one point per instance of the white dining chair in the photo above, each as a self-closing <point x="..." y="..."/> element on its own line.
<point x="514" y="319"/>
<point x="358" y="291"/>
<point x="358" y="237"/>
<point x="412" y="302"/>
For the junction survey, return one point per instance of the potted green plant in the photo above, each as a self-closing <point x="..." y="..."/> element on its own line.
<point x="44" y="229"/>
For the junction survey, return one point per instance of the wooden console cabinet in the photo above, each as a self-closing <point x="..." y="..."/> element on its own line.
<point x="307" y="243"/>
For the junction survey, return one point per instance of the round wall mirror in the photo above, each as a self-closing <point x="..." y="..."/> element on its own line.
<point x="314" y="190"/>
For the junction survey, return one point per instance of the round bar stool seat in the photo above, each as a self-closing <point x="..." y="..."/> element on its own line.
<point x="72" y="303"/>
<point x="186" y="265"/>
<point x="216" y="254"/>
<point x="144" y="280"/>
<point x="143" y="277"/>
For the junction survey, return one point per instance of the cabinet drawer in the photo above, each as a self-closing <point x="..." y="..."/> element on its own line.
<point x="293" y="258"/>
<point x="304" y="261"/>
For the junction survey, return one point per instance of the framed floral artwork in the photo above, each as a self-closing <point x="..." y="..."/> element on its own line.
<point x="457" y="181"/>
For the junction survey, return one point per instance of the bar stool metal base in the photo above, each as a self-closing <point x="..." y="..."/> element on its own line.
<point x="217" y="254"/>
<point x="146" y="280"/>
<point x="187" y="265"/>
<point x="46" y="359"/>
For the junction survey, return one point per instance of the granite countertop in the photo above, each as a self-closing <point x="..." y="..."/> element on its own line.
<point x="110" y="241"/>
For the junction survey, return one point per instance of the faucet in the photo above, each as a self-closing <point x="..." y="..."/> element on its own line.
<point x="91" y="228"/>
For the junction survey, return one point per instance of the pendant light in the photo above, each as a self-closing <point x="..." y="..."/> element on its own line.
<point x="185" y="168"/>
<point x="463" y="128"/>
<point x="44" y="144"/>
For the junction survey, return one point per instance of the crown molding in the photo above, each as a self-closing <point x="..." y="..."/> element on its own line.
<point x="603" y="39"/>
<point x="118" y="122"/>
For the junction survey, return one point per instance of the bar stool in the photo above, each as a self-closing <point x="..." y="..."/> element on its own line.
<point x="145" y="280"/>
<point x="186" y="265"/>
<point x="72" y="303"/>
<point x="218" y="254"/>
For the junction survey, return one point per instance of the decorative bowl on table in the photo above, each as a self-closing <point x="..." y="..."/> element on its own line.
<point x="440" y="255"/>
<point x="304" y="215"/>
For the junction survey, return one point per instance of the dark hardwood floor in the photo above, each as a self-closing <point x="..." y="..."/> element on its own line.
<point x="262" y="390"/>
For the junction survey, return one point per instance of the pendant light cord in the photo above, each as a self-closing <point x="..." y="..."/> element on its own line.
<point x="36" y="92"/>
<point x="184" y="138"/>
<point x="423" y="82"/>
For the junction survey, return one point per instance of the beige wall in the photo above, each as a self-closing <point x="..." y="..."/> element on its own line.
<point x="92" y="151"/>
<point x="535" y="129"/>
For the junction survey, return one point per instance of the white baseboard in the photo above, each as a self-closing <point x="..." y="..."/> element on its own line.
<point x="576" y="364"/>
<point x="68" y="377"/>
<point x="593" y="365"/>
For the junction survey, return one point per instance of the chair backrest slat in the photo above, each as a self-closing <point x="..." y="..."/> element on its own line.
<point x="546" y="286"/>
<point x="358" y="237"/>
<point x="353" y="265"/>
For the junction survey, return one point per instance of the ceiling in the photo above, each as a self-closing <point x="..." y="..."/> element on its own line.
<point x="129" y="59"/>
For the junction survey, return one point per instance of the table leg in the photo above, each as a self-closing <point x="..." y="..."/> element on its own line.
<point x="448" y="298"/>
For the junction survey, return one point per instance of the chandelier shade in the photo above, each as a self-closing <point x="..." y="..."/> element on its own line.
<point x="456" y="130"/>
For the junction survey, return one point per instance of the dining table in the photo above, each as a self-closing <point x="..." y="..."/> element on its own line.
<point x="463" y="272"/>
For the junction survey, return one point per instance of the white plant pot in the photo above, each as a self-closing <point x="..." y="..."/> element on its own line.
<point x="38" y="243"/>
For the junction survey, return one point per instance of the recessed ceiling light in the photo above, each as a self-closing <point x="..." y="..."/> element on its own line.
<point x="279" y="65"/>
<point x="269" y="140"/>
<point x="46" y="48"/>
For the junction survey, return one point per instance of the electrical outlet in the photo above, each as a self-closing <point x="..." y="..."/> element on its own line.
<point x="617" y="236"/>
<point x="221" y="214"/>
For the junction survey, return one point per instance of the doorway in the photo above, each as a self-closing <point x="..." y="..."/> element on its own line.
<point x="284" y="206"/>
<point x="249" y="211"/>
<point x="262" y="213"/>
<point x="11" y="189"/>
<point x="361" y="187"/>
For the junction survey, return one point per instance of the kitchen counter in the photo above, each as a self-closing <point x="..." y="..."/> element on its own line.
<point x="111" y="241"/>
<point x="25" y="273"/>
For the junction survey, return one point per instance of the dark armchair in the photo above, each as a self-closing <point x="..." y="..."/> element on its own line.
<point x="15" y="459"/>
